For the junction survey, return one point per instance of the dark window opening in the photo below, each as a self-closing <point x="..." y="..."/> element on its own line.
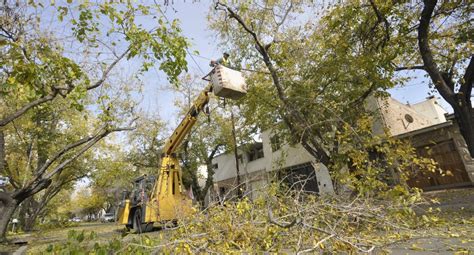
<point x="300" y="177"/>
<point x="256" y="152"/>
<point x="222" y="191"/>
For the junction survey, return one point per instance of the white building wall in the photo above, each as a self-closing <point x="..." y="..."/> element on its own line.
<point x="225" y="167"/>
<point x="431" y="110"/>
<point x="286" y="156"/>
<point x="393" y="115"/>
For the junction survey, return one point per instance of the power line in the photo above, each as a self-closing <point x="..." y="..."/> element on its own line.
<point x="199" y="56"/>
<point x="407" y="86"/>
<point x="191" y="55"/>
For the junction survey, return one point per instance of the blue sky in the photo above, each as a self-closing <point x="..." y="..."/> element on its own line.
<point x="193" y="19"/>
<point x="158" y="99"/>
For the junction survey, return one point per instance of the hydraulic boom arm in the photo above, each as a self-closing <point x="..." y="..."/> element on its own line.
<point x="174" y="141"/>
<point x="166" y="200"/>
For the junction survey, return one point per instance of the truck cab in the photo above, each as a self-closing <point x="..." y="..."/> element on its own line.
<point x="142" y="190"/>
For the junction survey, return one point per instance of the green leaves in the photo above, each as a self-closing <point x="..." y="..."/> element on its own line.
<point x="28" y="80"/>
<point x="163" y="42"/>
<point x="328" y="71"/>
<point x="63" y="11"/>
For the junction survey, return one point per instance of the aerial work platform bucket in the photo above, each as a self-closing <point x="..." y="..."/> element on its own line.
<point x="228" y="83"/>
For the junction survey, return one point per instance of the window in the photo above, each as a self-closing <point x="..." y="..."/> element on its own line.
<point x="215" y="166"/>
<point x="256" y="152"/>
<point x="300" y="177"/>
<point x="222" y="191"/>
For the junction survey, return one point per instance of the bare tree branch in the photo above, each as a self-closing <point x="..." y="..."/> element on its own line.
<point x="107" y="71"/>
<point x="316" y="246"/>
<point x="54" y="93"/>
<point x="381" y="18"/>
<point x="283" y="19"/>
<point x="401" y="68"/>
<point x="282" y="224"/>
<point x="13" y="116"/>
<point x="426" y="54"/>
<point x="39" y="172"/>
<point x="84" y="149"/>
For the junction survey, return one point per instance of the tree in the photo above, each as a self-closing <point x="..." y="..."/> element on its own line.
<point x="36" y="206"/>
<point x="309" y="84"/>
<point x="58" y="209"/>
<point x="147" y="141"/>
<point x="428" y="38"/>
<point x="299" y="71"/>
<point x="112" y="165"/>
<point x="37" y="72"/>
<point x="445" y="65"/>
<point x="89" y="202"/>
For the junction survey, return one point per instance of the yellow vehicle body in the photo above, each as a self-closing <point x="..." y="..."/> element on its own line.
<point x="169" y="201"/>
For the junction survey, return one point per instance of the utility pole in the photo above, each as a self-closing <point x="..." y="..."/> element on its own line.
<point x="239" y="190"/>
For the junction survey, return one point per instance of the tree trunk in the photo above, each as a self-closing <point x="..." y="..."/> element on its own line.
<point x="8" y="206"/>
<point x="3" y="162"/>
<point x="192" y="172"/>
<point x="236" y="155"/>
<point x="464" y="117"/>
<point x="209" y="183"/>
<point x="25" y="210"/>
<point x="30" y="221"/>
<point x="460" y="101"/>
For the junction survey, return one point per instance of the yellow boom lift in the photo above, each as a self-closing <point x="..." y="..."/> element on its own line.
<point x="165" y="200"/>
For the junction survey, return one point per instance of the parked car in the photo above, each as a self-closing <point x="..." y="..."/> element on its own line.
<point x="108" y="217"/>
<point x="4" y="181"/>
<point x="76" y="219"/>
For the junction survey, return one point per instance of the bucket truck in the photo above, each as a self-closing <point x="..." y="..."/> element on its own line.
<point x="163" y="199"/>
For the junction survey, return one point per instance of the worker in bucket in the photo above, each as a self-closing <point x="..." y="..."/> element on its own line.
<point x="221" y="61"/>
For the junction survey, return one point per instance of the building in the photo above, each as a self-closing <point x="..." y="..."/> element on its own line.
<point x="258" y="163"/>
<point x="400" y="118"/>
<point x="444" y="143"/>
<point x="435" y="134"/>
<point x="427" y="125"/>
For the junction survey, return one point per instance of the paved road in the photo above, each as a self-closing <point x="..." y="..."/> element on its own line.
<point x="457" y="207"/>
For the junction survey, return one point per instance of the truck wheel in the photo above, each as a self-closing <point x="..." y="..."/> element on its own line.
<point x="149" y="227"/>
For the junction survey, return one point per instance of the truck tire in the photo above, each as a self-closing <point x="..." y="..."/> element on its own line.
<point x="149" y="227"/>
